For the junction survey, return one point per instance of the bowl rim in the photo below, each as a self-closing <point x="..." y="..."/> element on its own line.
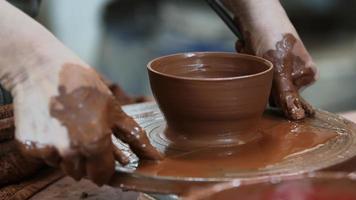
<point x="202" y="53"/>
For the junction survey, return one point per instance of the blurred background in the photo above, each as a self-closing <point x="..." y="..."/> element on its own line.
<point x="119" y="37"/>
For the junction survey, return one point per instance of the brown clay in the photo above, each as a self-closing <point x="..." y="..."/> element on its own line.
<point x="211" y="98"/>
<point x="321" y="186"/>
<point x="277" y="139"/>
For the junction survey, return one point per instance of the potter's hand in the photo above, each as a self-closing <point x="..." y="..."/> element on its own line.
<point x="64" y="113"/>
<point x="268" y="33"/>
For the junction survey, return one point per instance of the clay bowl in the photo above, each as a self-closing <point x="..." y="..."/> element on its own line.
<point x="210" y="98"/>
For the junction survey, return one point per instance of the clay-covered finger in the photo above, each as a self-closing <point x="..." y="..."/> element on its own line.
<point x="292" y="107"/>
<point x="73" y="165"/>
<point x="296" y="110"/>
<point x="100" y="167"/>
<point x="309" y="110"/>
<point x="127" y="130"/>
<point x="120" y="156"/>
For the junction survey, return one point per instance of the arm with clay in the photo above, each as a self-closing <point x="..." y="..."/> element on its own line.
<point x="268" y="33"/>
<point x="64" y="113"/>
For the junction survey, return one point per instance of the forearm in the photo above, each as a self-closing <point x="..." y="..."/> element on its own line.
<point x="259" y="19"/>
<point x="27" y="49"/>
<point x="264" y="25"/>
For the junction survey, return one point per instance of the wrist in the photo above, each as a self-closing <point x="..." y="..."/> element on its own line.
<point x="37" y="61"/>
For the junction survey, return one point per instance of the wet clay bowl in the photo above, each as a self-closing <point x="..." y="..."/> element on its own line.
<point x="210" y="98"/>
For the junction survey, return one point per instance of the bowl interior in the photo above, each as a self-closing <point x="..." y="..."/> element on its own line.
<point x="209" y="65"/>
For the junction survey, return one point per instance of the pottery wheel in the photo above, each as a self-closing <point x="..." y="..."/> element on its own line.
<point x="285" y="148"/>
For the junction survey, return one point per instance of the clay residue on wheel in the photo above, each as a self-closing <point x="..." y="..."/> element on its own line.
<point x="279" y="138"/>
<point x="289" y="75"/>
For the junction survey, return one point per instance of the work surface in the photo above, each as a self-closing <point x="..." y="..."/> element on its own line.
<point x="67" y="188"/>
